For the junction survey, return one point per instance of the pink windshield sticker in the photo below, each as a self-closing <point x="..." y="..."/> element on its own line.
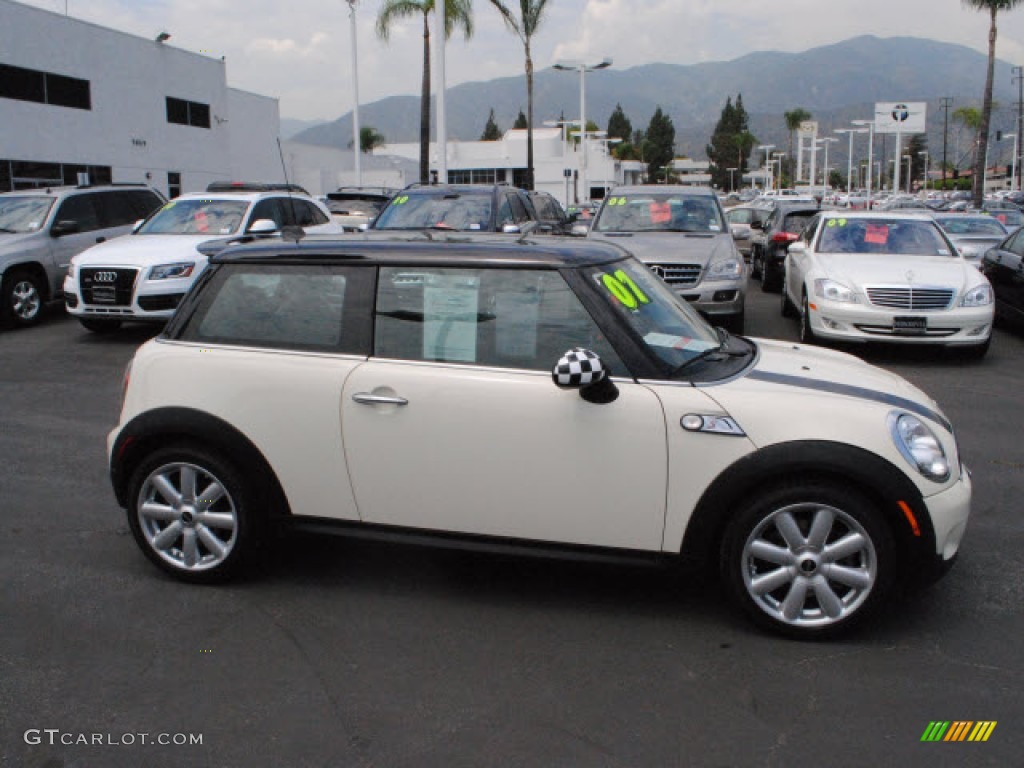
<point x="660" y="213"/>
<point x="877" y="234"/>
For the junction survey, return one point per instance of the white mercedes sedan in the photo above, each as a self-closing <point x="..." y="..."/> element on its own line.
<point x="895" y="277"/>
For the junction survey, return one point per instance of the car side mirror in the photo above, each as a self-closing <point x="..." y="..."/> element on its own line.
<point x="65" y="227"/>
<point x="579" y="230"/>
<point x="797" y="247"/>
<point x="263" y="227"/>
<point x="583" y="370"/>
<point x="510" y="229"/>
<point x="740" y="231"/>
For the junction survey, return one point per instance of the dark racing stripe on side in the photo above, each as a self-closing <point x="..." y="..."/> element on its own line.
<point x="852" y="391"/>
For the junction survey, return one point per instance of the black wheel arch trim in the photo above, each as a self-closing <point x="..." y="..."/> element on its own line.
<point x="875" y="477"/>
<point x="162" y="426"/>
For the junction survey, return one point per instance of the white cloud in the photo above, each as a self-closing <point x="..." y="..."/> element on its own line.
<point x="298" y="50"/>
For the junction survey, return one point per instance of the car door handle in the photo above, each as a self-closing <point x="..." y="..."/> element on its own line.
<point x="366" y="398"/>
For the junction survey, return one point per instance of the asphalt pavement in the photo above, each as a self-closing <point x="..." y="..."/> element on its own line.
<point x="345" y="653"/>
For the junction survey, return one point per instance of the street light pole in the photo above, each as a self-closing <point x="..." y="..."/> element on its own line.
<point x="766" y="148"/>
<point x="442" y="114"/>
<point x="583" y="68"/>
<point x="732" y="178"/>
<point x="871" y="140"/>
<point x="824" y="180"/>
<point x="927" y="168"/>
<point x="357" y="139"/>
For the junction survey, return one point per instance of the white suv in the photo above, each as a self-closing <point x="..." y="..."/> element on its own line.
<point x="547" y="396"/>
<point x="143" y="276"/>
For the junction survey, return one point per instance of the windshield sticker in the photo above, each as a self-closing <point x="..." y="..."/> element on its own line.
<point x="836" y="223"/>
<point x="877" y="234"/>
<point x="402" y="200"/>
<point x="668" y="341"/>
<point x="660" y="213"/>
<point x="621" y="286"/>
<point x="450" y="317"/>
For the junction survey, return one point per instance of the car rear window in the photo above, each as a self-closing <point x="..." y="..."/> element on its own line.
<point x="452" y="210"/>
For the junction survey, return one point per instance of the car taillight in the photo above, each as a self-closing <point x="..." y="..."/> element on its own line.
<point x="784" y="237"/>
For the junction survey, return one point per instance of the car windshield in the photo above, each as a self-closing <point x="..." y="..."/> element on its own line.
<point x="882" y="236"/>
<point x="23" y="213"/>
<point x="660" y="212"/>
<point x="451" y="210"/>
<point x="200" y="216"/>
<point x="672" y="331"/>
<point x="980" y="225"/>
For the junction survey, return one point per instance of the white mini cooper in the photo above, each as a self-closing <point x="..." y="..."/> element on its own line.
<point x="527" y="396"/>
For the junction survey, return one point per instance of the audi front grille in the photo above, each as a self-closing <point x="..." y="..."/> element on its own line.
<point x="107" y="286"/>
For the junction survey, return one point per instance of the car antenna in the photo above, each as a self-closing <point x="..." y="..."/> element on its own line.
<point x="292" y="232"/>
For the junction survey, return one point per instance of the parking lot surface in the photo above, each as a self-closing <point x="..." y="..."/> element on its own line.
<point x="345" y="653"/>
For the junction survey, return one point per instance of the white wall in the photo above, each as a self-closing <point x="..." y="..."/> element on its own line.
<point x="130" y="78"/>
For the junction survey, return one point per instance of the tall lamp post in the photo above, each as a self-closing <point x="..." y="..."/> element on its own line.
<point x="824" y="176"/>
<point x="564" y="125"/>
<point x="777" y="160"/>
<point x="442" y="114"/>
<point x="871" y="140"/>
<point x="1013" y="172"/>
<point x="583" y="68"/>
<point x="849" y="156"/>
<point x="766" y="148"/>
<point x="732" y="178"/>
<point x="927" y="169"/>
<point x="357" y="139"/>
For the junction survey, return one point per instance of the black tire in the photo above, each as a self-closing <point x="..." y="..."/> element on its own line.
<point x="771" y="277"/>
<point x="806" y="332"/>
<point x="755" y="264"/>
<point x="97" y="325"/>
<point x="225" y="530"/>
<point x="23" y="298"/>
<point x="787" y="308"/>
<point x="806" y="583"/>
<point x="976" y="352"/>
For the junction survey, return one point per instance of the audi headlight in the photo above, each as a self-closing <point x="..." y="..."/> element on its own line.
<point x="978" y="296"/>
<point x="730" y="269"/>
<point x="919" y="446"/>
<point x="830" y="290"/>
<point x="168" y="271"/>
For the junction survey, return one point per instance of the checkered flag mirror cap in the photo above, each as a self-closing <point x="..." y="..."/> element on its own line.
<point x="578" y="368"/>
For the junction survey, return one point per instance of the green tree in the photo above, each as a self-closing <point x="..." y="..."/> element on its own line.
<point x="793" y="119"/>
<point x="491" y="131"/>
<point x="525" y="26"/>
<point x="369" y="139"/>
<point x="992" y="7"/>
<point x="659" y="147"/>
<point x="619" y="126"/>
<point x="521" y="123"/>
<point x="836" y="180"/>
<point x="730" y="145"/>
<point x="969" y="118"/>
<point x="458" y="13"/>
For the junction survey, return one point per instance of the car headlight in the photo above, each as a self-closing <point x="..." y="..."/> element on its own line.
<point x="919" y="446"/>
<point x="978" y="296"/>
<point x="830" y="290"/>
<point x="167" y="271"/>
<point x="730" y="269"/>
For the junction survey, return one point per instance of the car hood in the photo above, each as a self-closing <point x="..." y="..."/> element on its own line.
<point x="12" y="242"/>
<point x="881" y="269"/>
<point x="672" y="247"/>
<point x="135" y="250"/>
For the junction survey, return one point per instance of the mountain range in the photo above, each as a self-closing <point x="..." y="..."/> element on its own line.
<point x="835" y="83"/>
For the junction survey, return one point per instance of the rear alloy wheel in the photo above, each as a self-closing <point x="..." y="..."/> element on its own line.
<point x="809" y="561"/>
<point x="190" y="513"/>
<point x="806" y="332"/>
<point x="23" y="298"/>
<point x="99" y="326"/>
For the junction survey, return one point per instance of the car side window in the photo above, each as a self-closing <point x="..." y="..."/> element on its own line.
<point x="115" y="209"/>
<point x="79" y="209"/>
<point x="1016" y="244"/>
<point x="281" y="306"/>
<point x="306" y="214"/>
<point x="810" y="230"/>
<point x="487" y="317"/>
<point x="269" y="208"/>
<point x="504" y="212"/>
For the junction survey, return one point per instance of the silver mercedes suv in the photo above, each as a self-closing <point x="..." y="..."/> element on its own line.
<point x="682" y="235"/>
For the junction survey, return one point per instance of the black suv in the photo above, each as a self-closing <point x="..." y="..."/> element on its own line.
<point x="460" y="207"/>
<point x="768" y="250"/>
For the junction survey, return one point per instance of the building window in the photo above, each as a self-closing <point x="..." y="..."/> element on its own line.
<point x="44" y="87"/>
<point x="192" y="113"/>
<point x="173" y="184"/>
<point x="473" y="176"/>
<point x="24" y="174"/>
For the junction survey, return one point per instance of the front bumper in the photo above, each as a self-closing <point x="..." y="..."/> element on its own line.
<point x="145" y="306"/>
<point x="718" y="298"/>
<point x="961" y="326"/>
<point x="949" y="511"/>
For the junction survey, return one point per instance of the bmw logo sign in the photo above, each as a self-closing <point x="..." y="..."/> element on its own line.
<point x="900" y="113"/>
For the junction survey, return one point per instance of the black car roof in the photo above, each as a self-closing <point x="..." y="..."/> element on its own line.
<point x="421" y="248"/>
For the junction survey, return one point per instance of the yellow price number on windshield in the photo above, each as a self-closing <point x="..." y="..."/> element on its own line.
<point x="622" y="287"/>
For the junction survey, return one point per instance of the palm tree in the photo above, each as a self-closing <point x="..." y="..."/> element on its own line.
<point x="457" y="13"/>
<point x="993" y="7"/>
<point x="525" y="26"/>
<point x="793" y="119"/>
<point x="969" y="118"/>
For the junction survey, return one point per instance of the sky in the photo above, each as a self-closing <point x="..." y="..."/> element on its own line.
<point x="299" y="51"/>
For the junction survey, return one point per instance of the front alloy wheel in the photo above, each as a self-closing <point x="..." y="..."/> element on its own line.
<point x="808" y="561"/>
<point x="24" y="298"/>
<point x="189" y="514"/>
